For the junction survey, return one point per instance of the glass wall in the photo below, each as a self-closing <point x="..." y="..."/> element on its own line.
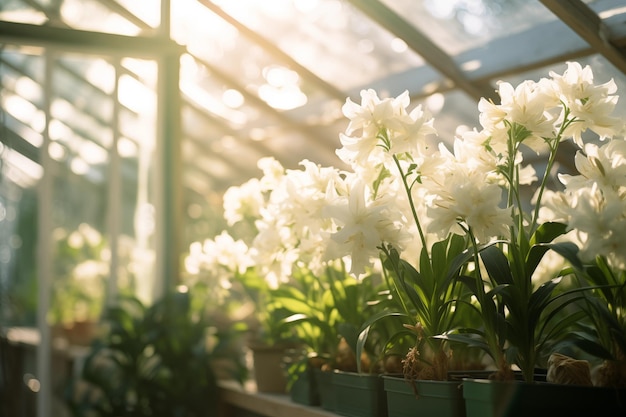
<point x="77" y="201"/>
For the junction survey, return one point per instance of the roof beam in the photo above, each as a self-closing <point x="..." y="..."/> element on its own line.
<point x="422" y="45"/>
<point x="87" y="41"/>
<point x="589" y="26"/>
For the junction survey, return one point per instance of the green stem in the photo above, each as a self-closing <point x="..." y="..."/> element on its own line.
<point x="489" y="319"/>
<point x="407" y="188"/>
<point x="554" y="147"/>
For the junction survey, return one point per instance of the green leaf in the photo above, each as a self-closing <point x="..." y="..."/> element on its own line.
<point x="474" y="340"/>
<point x="539" y="299"/>
<point x="591" y="346"/>
<point x="497" y="265"/>
<point x="365" y="329"/>
<point x="547" y="232"/>
<point x="567" y="250"/>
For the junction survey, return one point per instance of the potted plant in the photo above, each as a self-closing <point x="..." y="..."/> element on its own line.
<point x="523" y="316"/>
<point x="153" y="360"/>
<point x="281" y="249"/>
<point x="383" y="200"/>
<point x="78" y="290"/>
<point x="224" y="267"/>
<point x="337" y="310"/>
<point x="276" y="253"/>
<point x="592" y="204"/>
<point x="524" y="320"/>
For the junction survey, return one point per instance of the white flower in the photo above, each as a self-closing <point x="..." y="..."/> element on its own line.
<point x="463" y="196"/>
<point x="223" y="253"/>
<point x="373" y="113"/>
<point x="410" y="137"/>
<point x="243" y="202"/>
<point x="594" y="202"/>
<point x="360" y="151"/>
<point x="386" y="128"/>
<point x="362" y="225"/>
<point x="605" y="165"/>
<point x="273" y="172"/>
<point x="274" y="253"/>
<point x="590" y="104"/>
<point x="600" y="220"/>
<point x="522" y="109"/>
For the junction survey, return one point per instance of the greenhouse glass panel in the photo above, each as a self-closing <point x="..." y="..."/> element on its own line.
<point x="77" y="203"/>
<point x="109" y="16"/>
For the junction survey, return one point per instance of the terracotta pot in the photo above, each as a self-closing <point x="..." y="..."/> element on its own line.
<point x="269" y="370"/>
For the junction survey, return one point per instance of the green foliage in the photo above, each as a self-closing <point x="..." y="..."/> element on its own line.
<point x="429" y="300"/>
<point x="153" y="361"/>
<point x="328" y="309"/>
<point x="521" y="322"/>
<point x="605" y="306"/>
<point x="269" y="308"/>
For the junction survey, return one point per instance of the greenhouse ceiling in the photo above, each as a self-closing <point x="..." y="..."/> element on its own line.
<point x="268" y="78"/>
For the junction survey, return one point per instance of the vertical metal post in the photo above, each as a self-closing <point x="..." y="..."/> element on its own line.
<point x="114" y="208"/>
<point x="169" y="197"/>
<point x="44" y="253"/>
<point x="166" y="20"/>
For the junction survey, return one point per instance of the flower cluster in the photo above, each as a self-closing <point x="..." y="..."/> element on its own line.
<point x="461" y="190"/>
<point x="406" y="192"/>
<point x="593" y="203"/>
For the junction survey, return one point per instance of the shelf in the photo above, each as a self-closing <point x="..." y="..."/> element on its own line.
<point x="240" y="400"/>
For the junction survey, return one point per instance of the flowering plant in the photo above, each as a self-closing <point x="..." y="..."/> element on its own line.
<point x="517" y="309"/>
<point x="279" y="261"/>
<point x="461" y="234"/>
<point x="593" y="204"/>
<point x="480" y="190"/>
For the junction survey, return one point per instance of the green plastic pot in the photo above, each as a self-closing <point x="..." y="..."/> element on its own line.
<point x="359" y="395"/>
<point x="304" y="389"/>
<point x="423" y="398"/>
<point x="326" y="388"/>
<point x="486" y="398"/>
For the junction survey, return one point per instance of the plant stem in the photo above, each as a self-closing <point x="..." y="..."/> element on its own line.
<point x="407" y="188"/>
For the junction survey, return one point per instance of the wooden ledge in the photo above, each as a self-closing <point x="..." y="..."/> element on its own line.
<point x="235" y="398"/>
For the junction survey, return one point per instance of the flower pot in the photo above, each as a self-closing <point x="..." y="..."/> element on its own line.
<point x="359" y="395"/>
<point x="269" y="372"/>
<point x="326" y="388"/>
<point x="486" y="398"/>
<point x="423" y="398"/>
<point x="77" y="333"/>
<point x="304" y="389"/>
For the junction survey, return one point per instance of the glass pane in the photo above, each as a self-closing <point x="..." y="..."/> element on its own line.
<point x="329" y="37"/>
<point x="458" y="25"/>
<point x="136" y="147"/>
<point x="125" y="17"/>
<point x="80" y="135"/>
<point x="22" y="124"/>
<point x="20" y="174"/>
